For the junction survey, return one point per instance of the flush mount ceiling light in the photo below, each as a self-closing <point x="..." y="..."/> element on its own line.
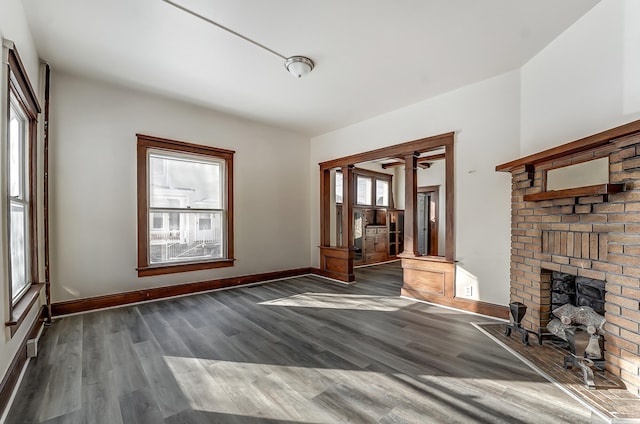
<point x="296" y="65"/>
<point x="299" y="65"/>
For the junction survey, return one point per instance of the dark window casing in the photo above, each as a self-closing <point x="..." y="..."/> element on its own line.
<point x="145" y="143"/>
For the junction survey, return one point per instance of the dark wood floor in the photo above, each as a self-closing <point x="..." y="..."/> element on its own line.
<point x="296" y="351"/>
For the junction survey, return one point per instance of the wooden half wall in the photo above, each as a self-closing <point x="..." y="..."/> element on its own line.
<point x="432" y="279"/>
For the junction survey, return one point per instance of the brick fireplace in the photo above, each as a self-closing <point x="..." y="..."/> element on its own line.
<point x="591" y="232"/>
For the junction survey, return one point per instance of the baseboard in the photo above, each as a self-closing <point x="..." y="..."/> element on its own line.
<point x="12" y="375"/>
<point x="469" y="305"/>
<point x="119" y="299"/>
<point x="329" y="276"/>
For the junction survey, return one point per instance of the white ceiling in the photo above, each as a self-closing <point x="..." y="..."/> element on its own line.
<point x="372" y="56"/>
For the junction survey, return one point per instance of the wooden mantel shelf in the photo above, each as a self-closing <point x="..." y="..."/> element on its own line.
<point x="574" y="147"/>
<point x="593" y="190"/>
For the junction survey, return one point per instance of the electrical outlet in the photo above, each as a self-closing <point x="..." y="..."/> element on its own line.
<point x="468" y="291"/>
<point x="32" y="348"/>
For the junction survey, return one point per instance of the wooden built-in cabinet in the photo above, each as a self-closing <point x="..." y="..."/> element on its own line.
<point x="395" y="219"/>
<point x="375" y="243"/>
<point x="378" y="234"/>
<point x="378" y="228"/>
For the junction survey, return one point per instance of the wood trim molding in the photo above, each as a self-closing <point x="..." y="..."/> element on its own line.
<point x="120" y="299"/>
<point x="45" y="192"/>
<point x="21" y="309"/>
<point x="348" y="200"/>
<point x="422" y="145"/>
<point x="159" y="142"/>
<point x="370" y="173"/>
<point x="20" y="87"/>
<point x="593" y="190"/>
<point x="331" y="276"/>
<point x="422" y="161"/>
<point x="184" y="267"/>
<point x="19" y="80"/>
<point x="325" y="203"/>
<point x="449" y="205"/>
<point x="469" y="305"/>
<point x="410" y="247"/>
<point x="146" y="142"/>
<point x="573" y="147"/>
<point x="12" y="375"/>
<point x="433" y="225"/>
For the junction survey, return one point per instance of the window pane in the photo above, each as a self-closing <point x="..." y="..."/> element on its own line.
<point x="157" y="221"/>
<point x="18" y="249"/>
<point x="17" y="135"/>
<point x="190" y="236"/>
<point x="363" y="188"/>
<point x="204" y="222"/>
<point x="338" y="187"/>
<point x="179" y="182"/>
<point x="382" y="193"/>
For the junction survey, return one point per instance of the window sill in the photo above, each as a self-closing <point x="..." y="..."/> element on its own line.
<point x="21" y="309"/>
<point x="186" y="267"/>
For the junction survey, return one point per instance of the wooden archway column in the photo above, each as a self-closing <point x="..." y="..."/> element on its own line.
<point x="337" y="261"/>
<point x="410" y="202"/>
<point x="348" y="194"/>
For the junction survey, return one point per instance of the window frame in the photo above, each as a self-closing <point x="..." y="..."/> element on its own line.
<point x="23" y="198"/>
<point x="375" y="192"/>
<point x="19" y="87"/>
<point x="374" y="176"/>
<point x="146" y="143"/>
<point x="368" y="196"/>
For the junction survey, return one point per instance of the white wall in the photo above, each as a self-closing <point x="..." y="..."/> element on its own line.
<point x="93" y="187"/>
<point x="586" y="81"/>
<point x="485" y="117"/>
<point x="13" y="26"/>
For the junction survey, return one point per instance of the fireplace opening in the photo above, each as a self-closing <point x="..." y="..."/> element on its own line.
<point x="577" y="291"/>
<point x="577" y="321"/>
<point x="577" y="303"/>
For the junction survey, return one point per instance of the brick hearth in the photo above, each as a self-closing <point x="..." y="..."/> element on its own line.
<point x="595" y="236"/>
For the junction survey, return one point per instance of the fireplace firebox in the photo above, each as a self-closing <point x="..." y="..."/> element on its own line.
<point x="577" y="320"/>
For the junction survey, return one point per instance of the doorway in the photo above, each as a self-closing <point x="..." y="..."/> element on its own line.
<point x="338" y="240"/>
<point x="427" y="215"/>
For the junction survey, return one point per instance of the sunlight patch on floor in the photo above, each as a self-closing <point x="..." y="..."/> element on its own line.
<point x="341" y="301"/>
<point x="261" y="390"/>
<point x="307" y="394"/>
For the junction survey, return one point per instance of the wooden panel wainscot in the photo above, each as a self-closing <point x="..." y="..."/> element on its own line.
<point x="427" y="278"/>
<point x="337" y="263"/>
<point x="432" y="280"/>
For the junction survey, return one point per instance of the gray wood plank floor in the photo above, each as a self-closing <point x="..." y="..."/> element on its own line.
<point x="303" y="350"/>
